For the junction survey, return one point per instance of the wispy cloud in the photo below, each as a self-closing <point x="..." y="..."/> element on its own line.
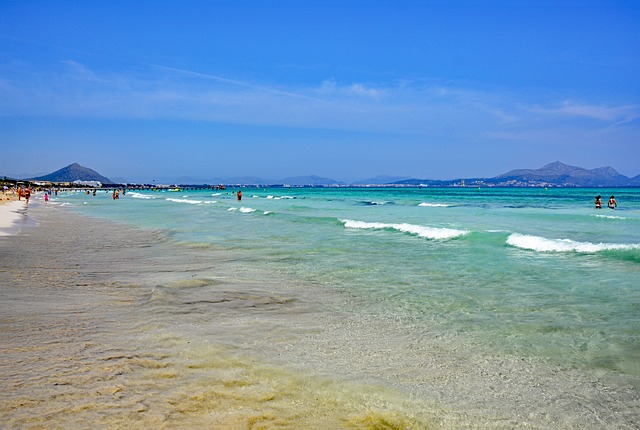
<point x="569" y="108"/>
<point x="407" y="107"/>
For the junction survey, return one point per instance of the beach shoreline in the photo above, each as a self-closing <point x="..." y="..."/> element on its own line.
<point x="87" y="340"/>
<point x="78" y="348"/>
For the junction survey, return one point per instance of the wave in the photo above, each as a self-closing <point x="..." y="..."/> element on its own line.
<point x="417" y="230"/>
<point x="542" y="244"/>
<point x="191" y="202"/>
<point x="609" y="216"/>
<point x="280" y="197"/>
<point x="376" y="203"/>
<point x="135" y="195"/>
<point x="434" y="205"/>
<point x="243" y="210"/>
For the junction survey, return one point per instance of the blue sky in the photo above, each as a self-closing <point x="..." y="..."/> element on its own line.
<point x="344" y="89"/>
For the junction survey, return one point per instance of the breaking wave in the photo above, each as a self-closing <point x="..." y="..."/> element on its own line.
<point x="434" y="205"/>
<point x="542" y="244"/>
<point x="436" y="233"/>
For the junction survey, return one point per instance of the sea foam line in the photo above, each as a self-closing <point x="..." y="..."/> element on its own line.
<point x="280" y="197"/>
<point x="418" y="230"/>
<point x="434" y="205"/>
<point x="191" y="202"/>
<point x="377" y="203"/>
<point x="609" y="216"/>
<point x="243" y="210"/>
<point x="542" y="244"/>
<point x="141" y="196"/>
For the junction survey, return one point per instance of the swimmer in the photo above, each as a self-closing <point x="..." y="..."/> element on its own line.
<point x="612" y="203"/>
<point x="598" y="202"/>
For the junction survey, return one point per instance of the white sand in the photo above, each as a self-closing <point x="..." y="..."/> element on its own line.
<point x="9" y="217"/>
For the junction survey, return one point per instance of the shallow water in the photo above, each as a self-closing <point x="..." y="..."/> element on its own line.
<point x="450" y="308"/>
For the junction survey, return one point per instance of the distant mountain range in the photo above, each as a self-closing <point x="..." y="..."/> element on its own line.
<point x="552" y="175"/>
<point x="561" y="174"/>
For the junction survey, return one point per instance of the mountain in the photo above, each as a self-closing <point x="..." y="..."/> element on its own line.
<point x="310" y="180"/>
<point x="74" y="172"/>
<point x="381" y="180"/>
<point x="555" y="174"/>
<point x="562" y="174"/>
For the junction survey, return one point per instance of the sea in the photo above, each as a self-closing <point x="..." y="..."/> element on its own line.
<point x="419" y="307"/>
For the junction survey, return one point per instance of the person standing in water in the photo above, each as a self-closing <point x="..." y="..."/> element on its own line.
<point x="612" y="203"/>
<point x="598" y="202"/>
<point x="239" y="195"/>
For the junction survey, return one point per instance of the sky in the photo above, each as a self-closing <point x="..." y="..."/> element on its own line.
<point x="160" y="90"/>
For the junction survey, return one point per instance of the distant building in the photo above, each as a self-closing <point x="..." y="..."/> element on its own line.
<point x="94" y="184"/>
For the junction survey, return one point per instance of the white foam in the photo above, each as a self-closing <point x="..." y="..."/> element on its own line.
<point x="191" y="202"/>
<point x="542" y="244"/>
<point x="609" y="216"/>
<point x="141" y="196"/>
<point x="434" y="205"/>
<point x="280" y="197"/>
<point x="418" y="230"/>
<point x="247" y="210"/>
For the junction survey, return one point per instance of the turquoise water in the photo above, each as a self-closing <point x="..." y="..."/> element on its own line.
<point x="532" y="273"/>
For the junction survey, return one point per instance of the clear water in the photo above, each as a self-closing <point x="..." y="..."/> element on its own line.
<point x="529" y="271"/>
<point x="528" y="274"/>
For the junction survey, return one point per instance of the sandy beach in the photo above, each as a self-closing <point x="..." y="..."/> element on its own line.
<point x="107" y="326"/>
<point x="11" y="211"/>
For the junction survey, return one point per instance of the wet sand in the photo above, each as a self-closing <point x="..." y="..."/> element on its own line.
<point x="109" y="327"/>
<point x="78" y="348"/>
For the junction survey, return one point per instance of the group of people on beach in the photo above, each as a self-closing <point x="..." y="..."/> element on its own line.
<point x="611" y="204"/>
<point x="24" y="192"/>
